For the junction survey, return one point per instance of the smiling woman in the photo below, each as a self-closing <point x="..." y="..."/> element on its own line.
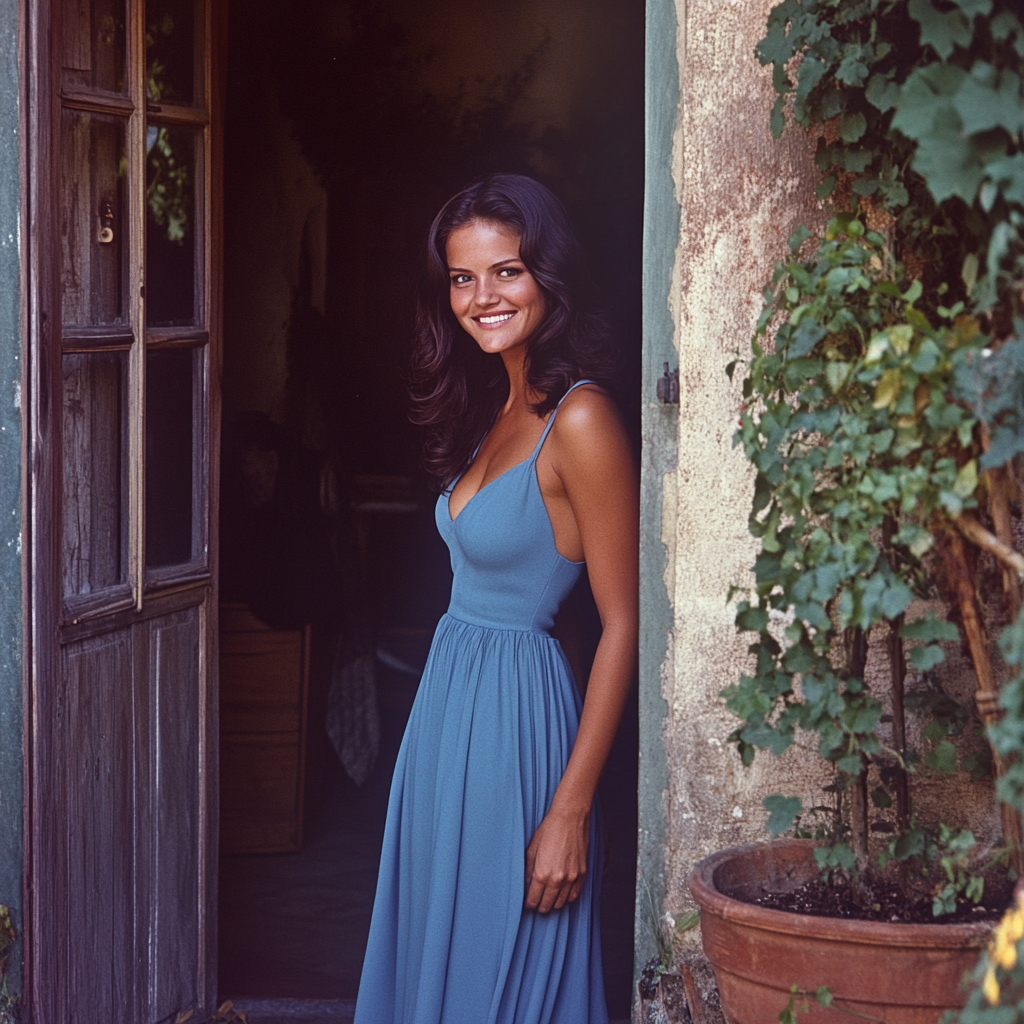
<point x="495" y="298"/>
<point x="487" y="899"/>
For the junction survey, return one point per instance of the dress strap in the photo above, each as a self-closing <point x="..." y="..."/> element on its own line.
<point x="554" y="413"/>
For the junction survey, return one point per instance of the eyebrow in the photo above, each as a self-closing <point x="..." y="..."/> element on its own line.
<point x="493" y="266"/>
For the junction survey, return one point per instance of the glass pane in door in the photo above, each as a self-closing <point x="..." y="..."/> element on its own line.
<point x="171" y="455"/>
<point x="93" y="45"/>
<point x="93" y="226"/>
<point x="172" y="254"/>
<point x="94" y="446"/>
<point x="171" y="52"/>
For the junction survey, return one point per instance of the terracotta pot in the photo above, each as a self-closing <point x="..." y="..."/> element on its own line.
<point x="897" y="973"/>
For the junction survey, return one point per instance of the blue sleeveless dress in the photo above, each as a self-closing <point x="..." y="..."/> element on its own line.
<point x="488" y="739"/>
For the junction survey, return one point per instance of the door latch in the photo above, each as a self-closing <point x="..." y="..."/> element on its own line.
<point x="668" y="386"/>
<point x="105" y="234"/>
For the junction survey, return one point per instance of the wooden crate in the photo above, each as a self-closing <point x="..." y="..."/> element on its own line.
<point x="264" y="684"/>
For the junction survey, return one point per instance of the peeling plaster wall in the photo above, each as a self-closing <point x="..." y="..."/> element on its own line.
<point x="739" y="195"/>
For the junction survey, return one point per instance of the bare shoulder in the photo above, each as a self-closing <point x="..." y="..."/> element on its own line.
<point x="588" y="427"/>
<point x="588" y="407"/>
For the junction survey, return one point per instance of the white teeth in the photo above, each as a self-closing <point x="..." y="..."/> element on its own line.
<point x="500" y="318"/>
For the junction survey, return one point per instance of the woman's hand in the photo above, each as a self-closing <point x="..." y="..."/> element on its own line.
<point x="556" y="860"/>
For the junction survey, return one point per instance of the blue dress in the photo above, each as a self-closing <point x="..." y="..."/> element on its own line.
<point x="488" y="740"/>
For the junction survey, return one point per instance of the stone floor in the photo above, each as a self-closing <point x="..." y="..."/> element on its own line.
<point x="303" y="1011"/>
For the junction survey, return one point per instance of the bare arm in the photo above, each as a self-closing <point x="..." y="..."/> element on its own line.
<point x="590" y="456"/>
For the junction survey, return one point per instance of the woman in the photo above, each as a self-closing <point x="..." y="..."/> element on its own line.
<point x="487" y="899"/>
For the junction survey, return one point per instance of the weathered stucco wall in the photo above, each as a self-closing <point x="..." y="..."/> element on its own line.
<point x="739" y="194"/>
<point x="10" y="486"/>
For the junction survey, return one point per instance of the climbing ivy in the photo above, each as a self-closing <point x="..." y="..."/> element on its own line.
<point x="884" y="406"/>
<point x="918" y="104"/>
<point x="851" y="422"/>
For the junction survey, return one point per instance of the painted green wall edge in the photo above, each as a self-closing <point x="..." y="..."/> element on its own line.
<point x="11" y="732"/>
<point x="658" y="426"/>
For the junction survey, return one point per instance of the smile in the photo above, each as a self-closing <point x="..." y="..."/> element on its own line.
<point x="497" y="318"/>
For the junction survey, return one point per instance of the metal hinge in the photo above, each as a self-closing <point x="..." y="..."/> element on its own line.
<point x="668" y="386"/>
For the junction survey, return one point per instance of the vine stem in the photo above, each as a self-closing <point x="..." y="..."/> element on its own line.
<point x="999" y="509"/>
<point x="954" y="554"/>
<point x="857" y="662"/>
<point x="898" y="674"/>
<point x="968" y="525"/>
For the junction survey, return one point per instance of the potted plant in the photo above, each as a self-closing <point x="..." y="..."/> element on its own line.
<point x="884" y="417"/>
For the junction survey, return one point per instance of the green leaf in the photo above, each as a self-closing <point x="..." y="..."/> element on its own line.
<point x="852" y="127"/>
<point x="925" y="93"/>
<point x="966" y="480"/>
<point x="969" y="271"/>
<point x="687" y="922"/>
<point x="753" y="619"/>
<point x="942" y="759"/>
<point x="877" y="348"/>
<point x="901" y="336"/>
<point x="983" y="107"/>
<point x="824" y="996"/>
<point x="895" y="599"/>
<point x="888" y="389"/>
<point x="941" y="31"/>
<point x="910" y="844"/>
<point x="856" y="161"/>
<point x="926" y="658"/>
<point x="914" y="292"/>
<point x="973" y="7"/>
<point x="882" y="93"/>
<point x="880" y="797"/>
<point x="930" y="629"/>
<point x="783" y="811"/>
<point x="836" y="374"/>
<point x="778" y="117"/>
<point x="807" y="335"/>
<point x="825" y="187"/>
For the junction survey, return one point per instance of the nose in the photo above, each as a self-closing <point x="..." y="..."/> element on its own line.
<point x="484" y="295"/>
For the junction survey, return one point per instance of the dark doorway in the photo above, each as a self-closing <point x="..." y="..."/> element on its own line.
<point x="348" y="123"/>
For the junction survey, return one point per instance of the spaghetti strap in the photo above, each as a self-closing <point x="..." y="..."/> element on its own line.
<point x="554" y="413"/>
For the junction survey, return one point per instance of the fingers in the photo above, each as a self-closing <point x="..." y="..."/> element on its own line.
<point x="552" y="894"/>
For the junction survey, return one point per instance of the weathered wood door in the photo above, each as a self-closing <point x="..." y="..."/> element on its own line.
<point x="123" y="328"/>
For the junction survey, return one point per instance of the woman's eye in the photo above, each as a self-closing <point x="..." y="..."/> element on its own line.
<point x="459" y="278"/>
<point x="507" y="272"/>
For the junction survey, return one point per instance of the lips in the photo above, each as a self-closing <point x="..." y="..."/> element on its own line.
<point x="494" y="319"/>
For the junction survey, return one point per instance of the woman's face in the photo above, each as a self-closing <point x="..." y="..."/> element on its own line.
<point x="496" y="299"/>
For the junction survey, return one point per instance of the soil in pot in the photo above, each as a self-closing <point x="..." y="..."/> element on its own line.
<point x="886" y="971"/>
<point x="888" y="903"/>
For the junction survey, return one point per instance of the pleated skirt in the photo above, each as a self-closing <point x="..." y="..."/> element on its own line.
<point x="487" y="741"/>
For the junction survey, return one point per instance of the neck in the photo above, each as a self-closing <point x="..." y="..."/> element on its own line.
<point x="519" y="390"/>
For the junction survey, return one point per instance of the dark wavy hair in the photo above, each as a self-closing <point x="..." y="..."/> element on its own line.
<point x="457" y="389"/>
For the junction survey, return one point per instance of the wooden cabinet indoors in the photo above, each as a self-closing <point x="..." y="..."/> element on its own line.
<point x="264" y="683"/>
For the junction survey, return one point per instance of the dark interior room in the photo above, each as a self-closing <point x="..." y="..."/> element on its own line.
<point x="348" y="123"/>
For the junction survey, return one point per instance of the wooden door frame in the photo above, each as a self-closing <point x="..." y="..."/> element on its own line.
<point x="42" y="397"/>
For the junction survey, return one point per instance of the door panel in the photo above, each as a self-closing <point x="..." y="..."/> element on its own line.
<point x="95" y="538"/>
<point x="93" y="51"/>
<point x="94" y="724"/>
<point x="124" y="332"/>
<point x="92" y="218"/>
<point x="175" y="794"/>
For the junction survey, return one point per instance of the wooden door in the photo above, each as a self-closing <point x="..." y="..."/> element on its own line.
<point x="123" y="331"/>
